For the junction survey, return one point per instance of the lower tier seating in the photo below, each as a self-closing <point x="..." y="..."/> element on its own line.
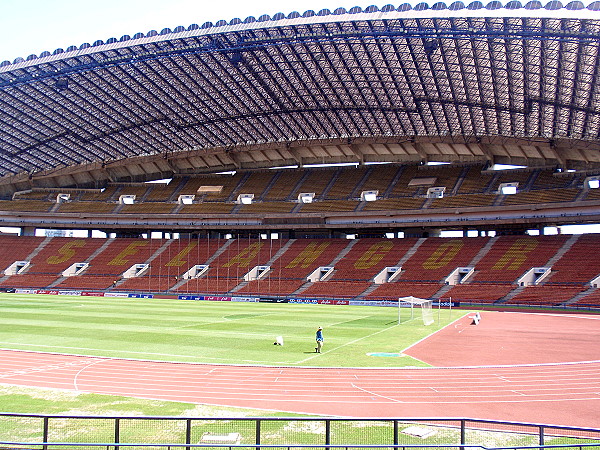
<point x="403" y="289"/>
<point x="545" y="295"/>
<point x="426" y="263"/>
<point x="479" y="292"/>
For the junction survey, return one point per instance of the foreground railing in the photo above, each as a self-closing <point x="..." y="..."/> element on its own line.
<point x="87" y="446"/>
<point x="48" y="432"/>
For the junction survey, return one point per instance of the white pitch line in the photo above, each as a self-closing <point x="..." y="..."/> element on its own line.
<point x="170" y="355"/>
<point x="346" y="321"/>
<point x="347" y="343"/>
<point x="83" y="368"/>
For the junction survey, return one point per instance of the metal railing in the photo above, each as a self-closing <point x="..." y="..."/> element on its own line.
<point x="49" y="432"/>
<point x="103" y="446"/>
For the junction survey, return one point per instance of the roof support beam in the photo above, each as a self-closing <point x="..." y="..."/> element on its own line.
<point x="558" y="155"/>
<point x="358" y="152"/>
<point x="487" y="152"/>
<point x="234" y="158"/>
<point x="296" y="156"/>
<point x="421" y="151"/>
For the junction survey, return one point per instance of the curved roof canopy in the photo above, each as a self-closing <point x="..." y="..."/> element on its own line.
<point x="455" y="81"/>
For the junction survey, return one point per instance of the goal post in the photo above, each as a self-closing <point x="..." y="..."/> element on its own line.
<point x="424" y="304"/>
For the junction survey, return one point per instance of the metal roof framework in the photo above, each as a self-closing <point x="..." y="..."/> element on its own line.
<point x="280" y="87"/>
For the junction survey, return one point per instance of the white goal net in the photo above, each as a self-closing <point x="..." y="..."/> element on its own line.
<point x="411" y="302"/>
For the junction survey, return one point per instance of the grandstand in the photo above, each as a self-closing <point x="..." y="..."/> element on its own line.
<point x="332" y="268"/>
<point x="349" y="156"/>
<point x="314" y="155"/>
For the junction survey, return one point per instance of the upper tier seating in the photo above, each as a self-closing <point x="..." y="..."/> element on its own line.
<point x="104" y="195"/>
<point x="463" y="201"/>
<point x="475" y="182"/>
<point x="399" y="187"/>
<point x="345" y="183"/>
<point x="257" y="183"/>
<point x="148" y="208"/>
<point x="26" y="205"/>
<point x="92" y="207"/>
<point x="284" y="186"/>
<point x="162" y="192"/>
<point x="542" y="196"/>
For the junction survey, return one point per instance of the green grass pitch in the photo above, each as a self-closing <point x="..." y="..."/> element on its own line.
<point x="212" y="332"/>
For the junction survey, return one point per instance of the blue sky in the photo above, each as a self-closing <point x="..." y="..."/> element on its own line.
<point x="33" y="26"/>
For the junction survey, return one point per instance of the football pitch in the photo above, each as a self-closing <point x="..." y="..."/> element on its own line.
<point x="214" y="332"/>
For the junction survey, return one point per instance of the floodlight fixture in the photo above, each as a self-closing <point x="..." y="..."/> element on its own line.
<point x="186" y="199"/>
<point x="508" y="188"/>
<point x="127" y="199"/>
<point x="592" y="182"/>
<point x="368" y="196"/>
<point x="306" y="197"/>
<point x="63" y="198"/>
<point x="245" y="199"/>
<point x="436" y="192"/>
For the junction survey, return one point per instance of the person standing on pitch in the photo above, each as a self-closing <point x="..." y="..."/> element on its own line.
<point x="319" y="338"/>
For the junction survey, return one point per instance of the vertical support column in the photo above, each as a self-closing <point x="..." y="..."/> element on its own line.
<point x="27" y="231"/>
<point x="327" y="432"/>
<point x="45" y="433"/>
<point x="188" y="431"/>
<point x="541" y="435"/>
<point x="395" y="432"/>
<point x="117" y="432"/>
<point x="258" y="434"/>
<point x="462" y="433"/>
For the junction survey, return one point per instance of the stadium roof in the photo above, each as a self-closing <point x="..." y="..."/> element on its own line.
<point x="513" y="83"/>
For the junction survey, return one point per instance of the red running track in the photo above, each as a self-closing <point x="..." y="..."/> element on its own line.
<point x="560" y="392"/>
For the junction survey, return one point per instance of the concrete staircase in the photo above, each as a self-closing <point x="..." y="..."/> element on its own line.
<point x="579" y="296"/>
<point x="335" y="260"/>
<point x="208" y="261"/>
<point x="32" y="255"/>
<point x="411" y="251"/>
<point x="90" y="258"/>
<point x="274" y="258"/>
